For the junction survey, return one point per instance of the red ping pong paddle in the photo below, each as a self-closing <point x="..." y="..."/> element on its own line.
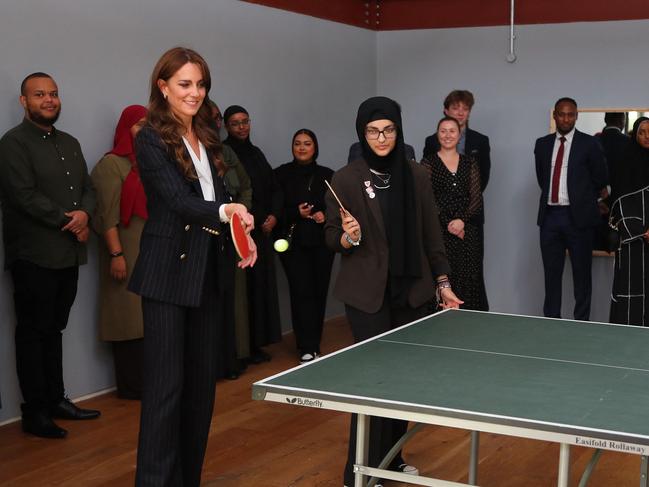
<point x="239" y="236"/>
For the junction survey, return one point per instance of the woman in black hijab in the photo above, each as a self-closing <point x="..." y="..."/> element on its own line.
<point x="633" y="166"/>
<point x="263" y="302"/>
<point x="307" y="262"/>
<point x="630" y="216"/>
<point x="391" y="245"/>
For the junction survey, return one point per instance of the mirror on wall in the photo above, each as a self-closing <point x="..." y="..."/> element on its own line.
<point x="591" y="121"/>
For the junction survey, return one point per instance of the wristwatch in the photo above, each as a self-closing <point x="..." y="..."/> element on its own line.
<point x="354" y="243"/>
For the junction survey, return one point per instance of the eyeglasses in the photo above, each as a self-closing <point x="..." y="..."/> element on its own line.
<point x="388" y="132"/>
<point x="242" y="123"/>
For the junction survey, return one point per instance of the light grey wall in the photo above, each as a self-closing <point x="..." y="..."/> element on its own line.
<point x="288" y="70"/>
<point x="599" y="64"/>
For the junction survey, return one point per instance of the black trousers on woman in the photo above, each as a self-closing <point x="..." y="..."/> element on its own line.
<point x="180" y="348"/>
<point x="308" y="270"/>
<point x="384" y="432"/>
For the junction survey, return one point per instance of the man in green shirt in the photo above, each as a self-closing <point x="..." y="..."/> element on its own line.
<point x="46" y="199"/>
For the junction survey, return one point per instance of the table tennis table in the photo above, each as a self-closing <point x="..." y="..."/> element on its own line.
<point x="569" y="382"/>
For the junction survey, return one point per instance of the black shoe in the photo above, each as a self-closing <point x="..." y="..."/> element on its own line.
<point x="259" y="356"/>
<point x="40" y="424"/>
<point x="243" y="365"/>
<point x="67" y="410"/>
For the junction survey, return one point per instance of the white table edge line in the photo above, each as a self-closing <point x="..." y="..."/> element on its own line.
<point x="565" y="320"/>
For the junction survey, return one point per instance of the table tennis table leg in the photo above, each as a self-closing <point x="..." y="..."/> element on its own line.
<point x="473" y="460"/>
<point x="643" y="471"/>
<point x="362" y="443"/>
<point x="564" y="465"/>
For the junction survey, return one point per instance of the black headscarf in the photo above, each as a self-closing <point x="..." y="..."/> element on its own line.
<point x="243" y="148"/>
<point x="403" y="239"/>
<point x="233" y="110"/>
<point x="633" y="166"/>
<point x="265" y="200"/>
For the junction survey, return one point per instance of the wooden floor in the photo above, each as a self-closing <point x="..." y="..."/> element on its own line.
<point x="259" y="444"/>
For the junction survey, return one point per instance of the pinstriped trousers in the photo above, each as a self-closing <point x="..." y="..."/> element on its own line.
<point x="180" y="347"/>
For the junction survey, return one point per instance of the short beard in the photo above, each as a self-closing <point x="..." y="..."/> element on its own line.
<point x="40" y="120"/>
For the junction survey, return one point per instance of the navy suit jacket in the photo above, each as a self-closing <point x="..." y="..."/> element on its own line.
<point x="587" y="175"/>
<point x="476" y="146"/>
<point x="172" y="263"/>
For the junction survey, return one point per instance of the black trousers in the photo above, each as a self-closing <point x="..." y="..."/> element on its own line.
<point x="384" y="432"/>
<point x="558" y="234"/>
<point x="308" y="270"/>
<point x="180" y="370"/>
<point x="42" y="299"/>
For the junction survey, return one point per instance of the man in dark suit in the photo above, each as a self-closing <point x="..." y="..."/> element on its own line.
<point x="458" y="104"/>
<point x="572" y="174"/>
<point x="614" y="141"/>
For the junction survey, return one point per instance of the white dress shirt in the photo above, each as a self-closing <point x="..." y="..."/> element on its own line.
<point x="564" y="200"/>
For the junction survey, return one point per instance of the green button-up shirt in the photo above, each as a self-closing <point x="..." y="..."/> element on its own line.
<point x="43" y="175"/>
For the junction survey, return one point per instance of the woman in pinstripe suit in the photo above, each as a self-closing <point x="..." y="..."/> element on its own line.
<point x="182" y="272"/>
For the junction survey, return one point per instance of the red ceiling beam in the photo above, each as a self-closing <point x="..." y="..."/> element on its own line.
<point x="352" y="12"/>
<point x="437" y="14"/>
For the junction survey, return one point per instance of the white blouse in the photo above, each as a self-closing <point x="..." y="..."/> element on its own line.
<point x="202" y="166"/>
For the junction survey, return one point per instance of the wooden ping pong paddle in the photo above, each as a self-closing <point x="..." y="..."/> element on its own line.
<point x="239" y="236"/>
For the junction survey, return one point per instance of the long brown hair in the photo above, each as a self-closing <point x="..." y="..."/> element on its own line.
<point x="169" y="126"/>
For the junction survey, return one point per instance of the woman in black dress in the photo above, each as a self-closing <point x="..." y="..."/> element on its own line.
<point x="456" y="184"/>
<point x="630" y="216"/>
<point x="263" y="301"/>
<point x="307" y="262"/>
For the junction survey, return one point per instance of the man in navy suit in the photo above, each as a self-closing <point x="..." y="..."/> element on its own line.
<point x="458" y="104"/>
<point x="572" y="174"/>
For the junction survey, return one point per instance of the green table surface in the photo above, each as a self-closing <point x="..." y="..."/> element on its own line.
<point x="573" y="376"/>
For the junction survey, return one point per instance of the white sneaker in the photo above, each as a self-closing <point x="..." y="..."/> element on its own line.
<point x="308" y="357"/>
<point x="408" y="469"/>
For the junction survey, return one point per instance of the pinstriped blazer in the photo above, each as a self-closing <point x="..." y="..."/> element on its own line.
<point x="172" y="263"/>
